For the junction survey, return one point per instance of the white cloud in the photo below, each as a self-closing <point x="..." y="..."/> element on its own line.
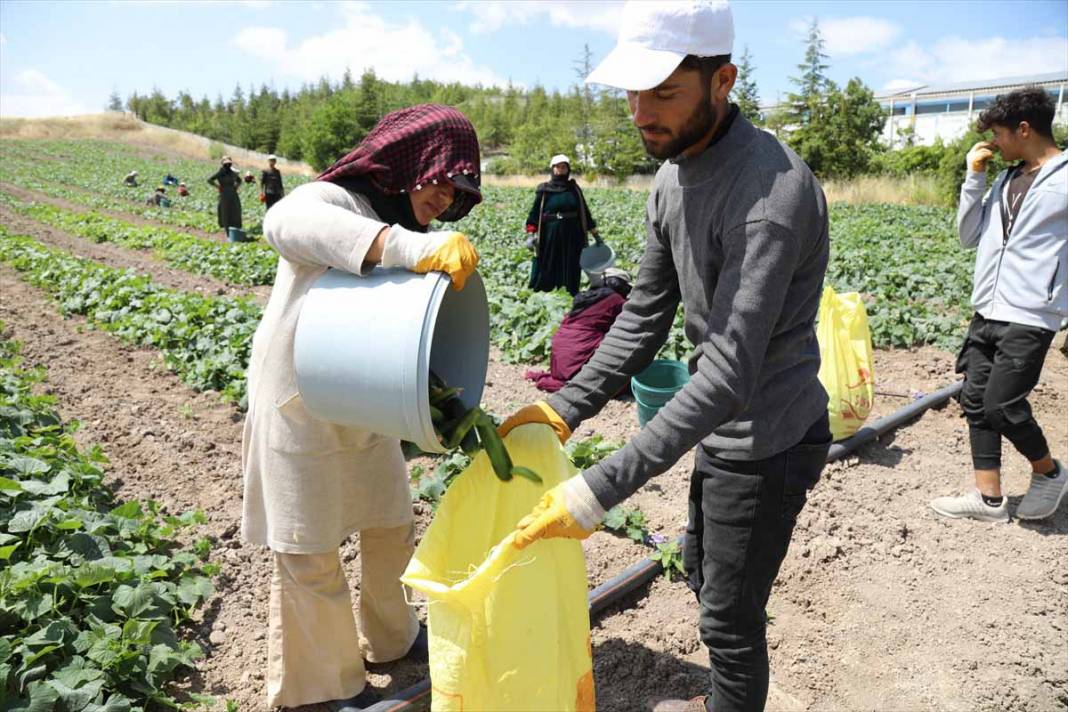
<point x="845" y="36"/>
<point x="255" y="4"/>
<point x="34" y="94"/>
<point x="396" y="51"/>
<point x="956" y="59"/>
<point x="493" y="15"/>
<point x="895" y="85"/>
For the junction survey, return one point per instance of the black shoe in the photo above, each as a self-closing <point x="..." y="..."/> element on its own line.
<point x="354" y="704"/>
<point x="418" y="653"/>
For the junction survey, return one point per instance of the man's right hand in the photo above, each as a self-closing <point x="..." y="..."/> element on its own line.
<point x="538" y="412"/>
<point x="978" y="157"/>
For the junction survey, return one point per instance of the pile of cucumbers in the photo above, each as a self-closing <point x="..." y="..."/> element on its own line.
<point x="471" y="430"/>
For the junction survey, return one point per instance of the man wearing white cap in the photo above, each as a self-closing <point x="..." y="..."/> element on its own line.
<point x="271" y="183"/>
<point x="737" y="231"/>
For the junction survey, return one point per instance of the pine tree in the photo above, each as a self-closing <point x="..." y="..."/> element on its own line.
<point x="583" y="66"/>
<point x="746" y="95"/>
<point x="813" y="80"/>
<point x="114" y="101"/>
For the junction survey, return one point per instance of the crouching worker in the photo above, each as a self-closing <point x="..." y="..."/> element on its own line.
<point x="309" y="484"/>
<point x="159" y="198"/>
<point x="592" y="314"/>
<point x="737" y="230"/>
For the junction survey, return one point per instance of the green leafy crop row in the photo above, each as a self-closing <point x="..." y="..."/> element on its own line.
<point x="245" y="263"/>
<point x="205" y="340"/>
<point x="90" y="173"/>
<point x="93" y="593"/>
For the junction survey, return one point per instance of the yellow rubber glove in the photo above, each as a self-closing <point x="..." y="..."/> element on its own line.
<point x="979" y="155"/>
<point x="549" y="519"/>
<point x="537" y="412"/>
<point x="455" y="256"/>
<point x="445" y="251"/>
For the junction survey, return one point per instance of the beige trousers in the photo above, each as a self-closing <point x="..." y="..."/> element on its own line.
<point x="315" y="652"/>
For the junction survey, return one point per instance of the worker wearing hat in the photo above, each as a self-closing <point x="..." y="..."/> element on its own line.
<point x="271" y="182"/>
<point x="558" y="225"/>
<point x="737" y="232"/>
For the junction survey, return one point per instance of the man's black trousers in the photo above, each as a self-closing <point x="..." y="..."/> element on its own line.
<point x="742" y="515"/>
<point x="1001" y="362"/>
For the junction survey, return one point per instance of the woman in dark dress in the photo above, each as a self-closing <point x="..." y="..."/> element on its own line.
<point x="560" y="219"/>
<point x="227" y="181"/>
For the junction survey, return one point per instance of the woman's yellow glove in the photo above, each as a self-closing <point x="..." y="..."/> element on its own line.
<point x="455" y="255"/>
<point x="549" y="519"/>
<point x="448" y="252"/>
<point x="537" y="412"/>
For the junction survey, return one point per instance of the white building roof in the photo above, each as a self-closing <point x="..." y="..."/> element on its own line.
<point x="990" y="86"/>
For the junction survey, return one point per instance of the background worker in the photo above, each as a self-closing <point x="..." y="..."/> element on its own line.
<point x="1020" y="297"/>
<point x="561" y="219"/>
<point x="130" y="180"/>
<point x="737" y="230"/>
<point x="157" y="198"/>
<point x="310" y="484"/>
<point x="271" y="182"/>
<point x="227" y="181"/>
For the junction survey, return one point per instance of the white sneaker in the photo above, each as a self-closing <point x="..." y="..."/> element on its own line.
<point x="971" y="506"/>
<point x="1044" y="495"/>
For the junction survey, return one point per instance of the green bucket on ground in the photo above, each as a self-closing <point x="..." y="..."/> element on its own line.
<point x="656" y="385"/>
<point x="236" y="234"/>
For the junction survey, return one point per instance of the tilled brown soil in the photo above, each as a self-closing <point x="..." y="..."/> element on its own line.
<point x="879" y="605"/>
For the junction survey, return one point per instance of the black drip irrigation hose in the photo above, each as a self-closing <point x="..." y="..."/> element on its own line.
<point x="644" y="571"/>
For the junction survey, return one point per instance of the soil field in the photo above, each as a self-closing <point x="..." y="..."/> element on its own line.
<point x="879" y="605"/>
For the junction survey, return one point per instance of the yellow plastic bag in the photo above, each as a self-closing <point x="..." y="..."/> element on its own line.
<point x="846" y="367"/>
<point x="509" y="629"/>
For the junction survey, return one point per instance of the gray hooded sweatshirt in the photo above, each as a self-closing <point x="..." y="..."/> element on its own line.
<point x="739" y="235"/>
<point x="1021" y="278"/>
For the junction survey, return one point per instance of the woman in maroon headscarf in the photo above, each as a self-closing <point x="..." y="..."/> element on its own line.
<point x="309" y="484"/>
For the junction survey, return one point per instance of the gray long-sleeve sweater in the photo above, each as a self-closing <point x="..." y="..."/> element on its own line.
<point x="1022" y="278"/>
<point x="739" y="234"/>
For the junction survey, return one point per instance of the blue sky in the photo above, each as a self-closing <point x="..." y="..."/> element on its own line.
<point x="66" y="57"/>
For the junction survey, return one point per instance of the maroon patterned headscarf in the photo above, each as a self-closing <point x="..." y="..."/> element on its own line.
<point x="415" y="147"/>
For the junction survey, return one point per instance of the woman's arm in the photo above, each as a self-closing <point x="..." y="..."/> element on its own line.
<point x="321" y="224"/>
<point x="532" y="218"/>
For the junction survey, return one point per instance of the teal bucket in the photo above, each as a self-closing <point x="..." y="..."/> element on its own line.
<point x="236" y="234"/>
<point x="656" y="385"/>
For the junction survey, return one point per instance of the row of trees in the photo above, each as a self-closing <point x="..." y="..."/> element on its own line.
<point x="834" y="130"/>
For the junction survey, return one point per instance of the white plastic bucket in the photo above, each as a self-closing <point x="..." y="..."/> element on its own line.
<point x="364" y="347"/>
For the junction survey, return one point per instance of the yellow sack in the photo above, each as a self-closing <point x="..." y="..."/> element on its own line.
<point x="509" y="629"/>
<point x="846" y="367"/>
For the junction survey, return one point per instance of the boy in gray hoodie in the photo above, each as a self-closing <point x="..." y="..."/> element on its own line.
<point x="1020" y="297"/>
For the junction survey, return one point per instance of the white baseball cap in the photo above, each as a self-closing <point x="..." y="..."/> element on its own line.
<point x="559" y="158"/>
<point x="655" y="36"/>
<point x="272" y="157"/>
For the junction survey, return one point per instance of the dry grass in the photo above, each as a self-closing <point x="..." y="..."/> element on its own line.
<point x="914" y="190"/>
<point x="114" y="126"/>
